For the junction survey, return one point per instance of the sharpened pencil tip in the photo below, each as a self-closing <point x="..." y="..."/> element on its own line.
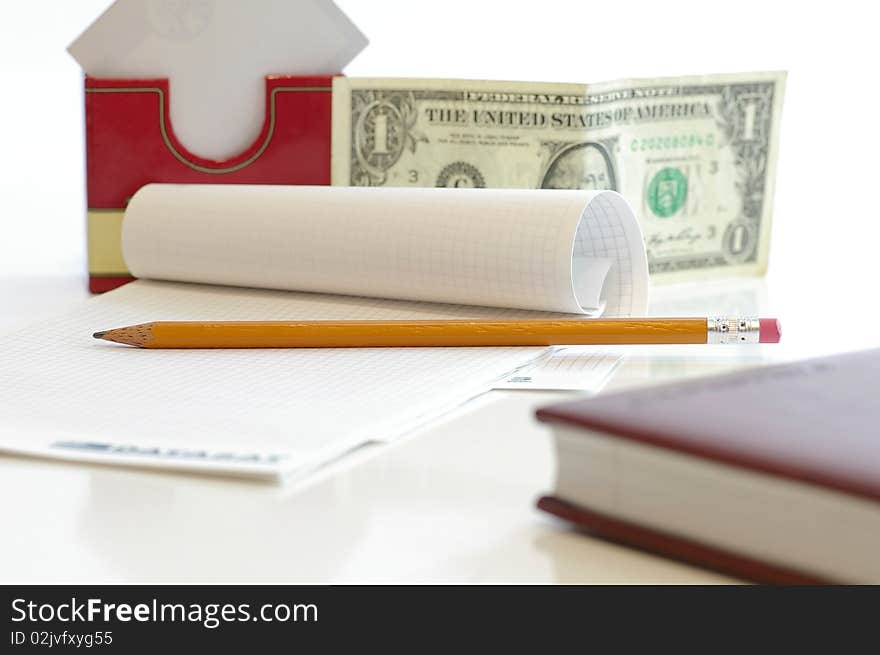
<point x="99" y="335"/>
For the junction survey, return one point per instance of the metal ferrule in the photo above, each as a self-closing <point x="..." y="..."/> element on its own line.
<point x="733" y="330"/>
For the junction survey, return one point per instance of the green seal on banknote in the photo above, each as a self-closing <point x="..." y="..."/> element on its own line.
<point x="667" y="192"/>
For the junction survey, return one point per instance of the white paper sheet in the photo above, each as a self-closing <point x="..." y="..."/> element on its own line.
<point x="545" y="250"/>
<point x="244" y="412"/>
<point x="216" y="54"/>
<point x="569" y="368"/>
<point x="278" y="411"/>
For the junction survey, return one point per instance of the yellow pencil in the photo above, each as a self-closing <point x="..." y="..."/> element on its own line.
<point x="397" y="334"/>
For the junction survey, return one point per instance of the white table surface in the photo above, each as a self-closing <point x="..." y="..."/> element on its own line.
<point x="451" y="503"/>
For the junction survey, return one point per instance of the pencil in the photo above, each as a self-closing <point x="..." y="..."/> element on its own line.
<point x="445" y="333"/>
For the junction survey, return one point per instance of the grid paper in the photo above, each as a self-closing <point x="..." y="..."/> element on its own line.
<point x="572" y="368"/>
<point x="602" y="235"/>
<point x="485" y="253"/>
<point x="486" y="247"/>
<point x="253" y="412"/>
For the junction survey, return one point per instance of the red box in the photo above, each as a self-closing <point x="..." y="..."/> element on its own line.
<point x="130" y="142"/>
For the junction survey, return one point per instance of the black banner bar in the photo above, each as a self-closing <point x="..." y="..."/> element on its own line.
<point x="168" y="619"/>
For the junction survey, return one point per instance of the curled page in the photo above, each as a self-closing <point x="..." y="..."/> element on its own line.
<point x="578" y="252"/>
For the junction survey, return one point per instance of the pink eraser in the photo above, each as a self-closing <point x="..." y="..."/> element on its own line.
<point x="770" y="331"/>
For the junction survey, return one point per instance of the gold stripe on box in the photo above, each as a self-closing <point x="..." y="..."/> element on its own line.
<point x="105" y="242"/>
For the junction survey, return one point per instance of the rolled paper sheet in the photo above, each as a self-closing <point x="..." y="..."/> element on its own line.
<point x="578" y="252"/>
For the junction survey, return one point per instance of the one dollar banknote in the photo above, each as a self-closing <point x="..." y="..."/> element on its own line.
<point x="694" y="156"/>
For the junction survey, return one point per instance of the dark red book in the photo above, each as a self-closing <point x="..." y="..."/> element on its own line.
<point x="771" y="474"/>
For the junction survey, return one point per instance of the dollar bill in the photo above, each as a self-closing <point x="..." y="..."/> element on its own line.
<point x="694" y="156"/>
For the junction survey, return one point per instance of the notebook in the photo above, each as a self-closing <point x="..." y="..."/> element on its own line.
<point x="327" y="253"/>
<point x="771" y="474"/>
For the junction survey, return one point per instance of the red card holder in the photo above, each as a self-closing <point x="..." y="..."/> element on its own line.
<point x="130" y="142"/>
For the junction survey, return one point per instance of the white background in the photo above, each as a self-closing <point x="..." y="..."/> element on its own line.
<point x="826" y="227"/>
